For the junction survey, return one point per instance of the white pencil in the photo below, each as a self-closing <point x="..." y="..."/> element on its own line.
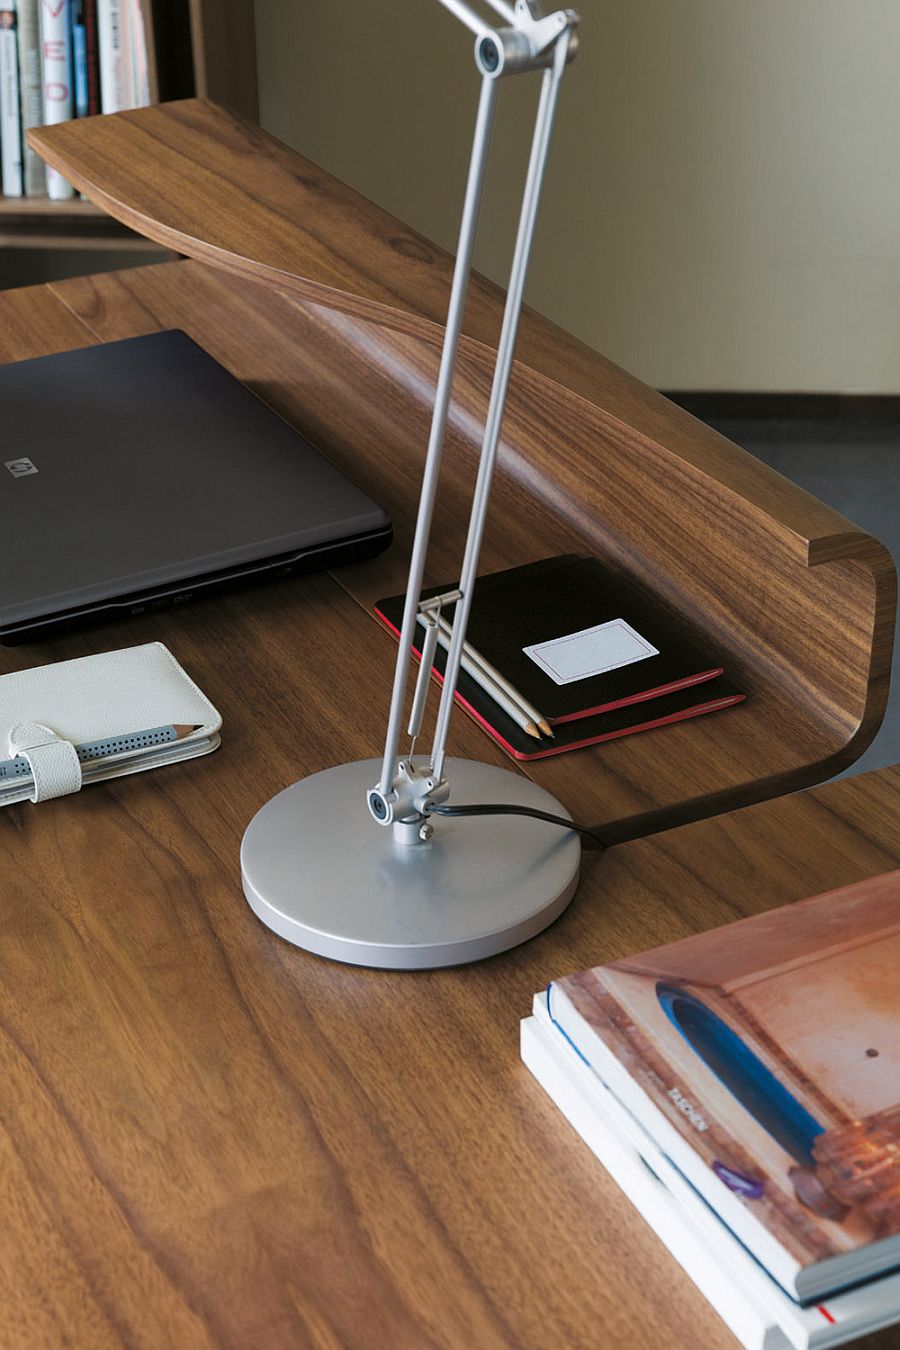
<point x="493" y="684"/>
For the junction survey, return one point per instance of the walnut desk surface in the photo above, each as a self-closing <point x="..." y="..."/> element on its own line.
<point x="210" y="1138"/>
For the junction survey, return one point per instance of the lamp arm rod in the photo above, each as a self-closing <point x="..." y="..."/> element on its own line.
<point x="472" y="21"/>
<point x="469" y="223"/>
<point x="426" y="661"/>
<point x="523" y="19"/>
<point x="506" y="12"/>
<point x="550" y="85"/>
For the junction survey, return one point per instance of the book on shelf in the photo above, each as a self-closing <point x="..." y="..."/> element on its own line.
<point x="88" y="16"/>
<point x="114" y="91"/>
<point x="593" y="653"/>
<point x="51" y="70"/>
<point x="79" y="59"/>
<point x="31" y="93"/>
<point x="139" y="26"/>
<point x="743" y="1087"/>
<point x="147" y="56"/>
<point x="124" y="76"/>
<point x="10" y="111"/>
<point x="59" y="104"/>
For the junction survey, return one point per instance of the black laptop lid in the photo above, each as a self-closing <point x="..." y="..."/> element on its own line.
<point x="131" y="465"/>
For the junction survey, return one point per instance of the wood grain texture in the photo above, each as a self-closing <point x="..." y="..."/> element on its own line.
<point x="211" y="185"/>
<point x="801" y="639"/>
<point x="800" y="601"/>
<point x="210" y="1138"/>
<point x="35" y="322"/>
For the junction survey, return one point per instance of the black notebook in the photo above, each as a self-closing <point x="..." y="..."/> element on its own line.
<point x="549" y="605"/>
<point x="578" y="639"/>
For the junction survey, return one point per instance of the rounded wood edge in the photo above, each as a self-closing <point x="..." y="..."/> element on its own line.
<point x="201" y="250"/>
<point x="873" y="557"/>
<point x="545" y="353"/>
<point x="809" y="533"/>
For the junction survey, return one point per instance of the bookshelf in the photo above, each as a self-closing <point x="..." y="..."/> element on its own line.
<point x="202" y="47"/>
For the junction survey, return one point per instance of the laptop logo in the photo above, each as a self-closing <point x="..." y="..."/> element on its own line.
<point x="20" y="468"/>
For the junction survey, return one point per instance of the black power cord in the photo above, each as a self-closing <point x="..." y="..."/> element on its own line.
<point x="501" y="810"/>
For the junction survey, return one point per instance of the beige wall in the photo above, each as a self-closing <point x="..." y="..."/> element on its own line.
<point x="723" y="204"/>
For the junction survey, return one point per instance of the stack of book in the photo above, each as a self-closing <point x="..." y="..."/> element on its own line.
<point x="743" y="1088"/>
<point x="61" y="59"/>
<point x="566" y="652"/>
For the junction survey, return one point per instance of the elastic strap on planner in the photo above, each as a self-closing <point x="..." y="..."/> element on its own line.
<point x="55" y="768"/>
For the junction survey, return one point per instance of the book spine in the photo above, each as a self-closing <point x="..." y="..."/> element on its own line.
<point x="92" y="56"/>
<point x="601" y="1120"/>
<point x="79" y="59"/>
<point x="140" y="76"/>
<point x="751" y="1324"/>
<point x="56" y="47"/>
<point x="31" y="96"/>
<point x="115" y="62"/>
<point x="10" y="116"/>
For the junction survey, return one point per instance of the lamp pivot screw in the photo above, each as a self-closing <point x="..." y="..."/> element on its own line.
<point x="378" y="806"/>
<point x="490" y="55"/>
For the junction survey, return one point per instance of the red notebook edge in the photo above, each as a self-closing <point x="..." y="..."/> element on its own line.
<point x="671" y="688"/>
<point x="712" y="705"/>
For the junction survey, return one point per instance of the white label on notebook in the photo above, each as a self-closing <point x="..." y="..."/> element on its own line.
<point x="593" y="651"/>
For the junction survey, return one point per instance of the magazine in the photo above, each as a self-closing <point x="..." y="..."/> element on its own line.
<point x="763" y="1059"/>
<point x="753" y="1306"/>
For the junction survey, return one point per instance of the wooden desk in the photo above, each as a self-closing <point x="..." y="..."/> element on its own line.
<point x="210" y="1138"/>
<point x="333" y="310"/>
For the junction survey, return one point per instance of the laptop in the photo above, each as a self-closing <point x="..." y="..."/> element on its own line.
<point x="139" y="474"/>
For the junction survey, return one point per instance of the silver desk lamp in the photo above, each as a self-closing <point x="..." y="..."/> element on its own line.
<point x="354" y="863"/>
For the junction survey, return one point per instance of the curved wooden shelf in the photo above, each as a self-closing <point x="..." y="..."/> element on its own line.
<point x="342" y="338"/>
<point x="205" y="182"/>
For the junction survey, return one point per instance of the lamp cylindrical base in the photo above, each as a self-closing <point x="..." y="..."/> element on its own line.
<point x="320" y="872"/>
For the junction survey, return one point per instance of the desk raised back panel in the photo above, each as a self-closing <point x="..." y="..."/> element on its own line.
<point x="341" y="307"/>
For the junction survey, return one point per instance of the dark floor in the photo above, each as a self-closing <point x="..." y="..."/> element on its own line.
<point x="853" y="463"/>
